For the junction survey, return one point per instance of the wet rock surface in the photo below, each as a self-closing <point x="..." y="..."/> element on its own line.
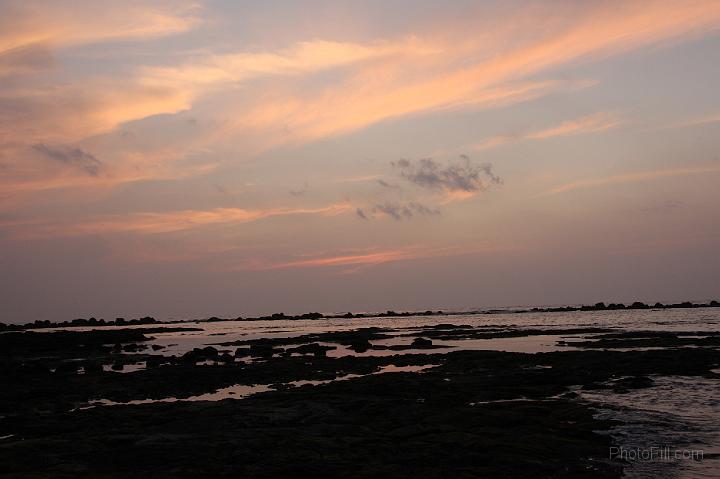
<point x="474" y="414"/>
<point x="649" y="339"/>
<point x="67" y="344"/>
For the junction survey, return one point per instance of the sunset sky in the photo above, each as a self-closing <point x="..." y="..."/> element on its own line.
<point x="189" y="159"/>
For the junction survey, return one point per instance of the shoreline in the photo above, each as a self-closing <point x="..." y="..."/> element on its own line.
<point x="421" y="409"/>
<point x="148" y="320"/>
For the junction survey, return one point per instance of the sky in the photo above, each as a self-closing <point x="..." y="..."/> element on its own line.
<point x="219" y="158"/>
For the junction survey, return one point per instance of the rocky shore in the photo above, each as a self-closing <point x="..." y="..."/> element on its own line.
<point x="437" y="413"/>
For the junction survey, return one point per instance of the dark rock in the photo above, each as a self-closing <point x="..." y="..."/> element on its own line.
<point x="153" y="362"/>
<point x="67" y="367"/>
<point x="92" y="367"/>
<point x="210" y="352"/>
<point x="242" y="352"/>
<point x="200" y="354"/>
<point x="360" y="346"/>
<point x="312" y="348"/>
<point x="422" y="342"/>
<point x="226" y="358"/>
<point x="133" y="347"/>
<point x="263" y="350"/>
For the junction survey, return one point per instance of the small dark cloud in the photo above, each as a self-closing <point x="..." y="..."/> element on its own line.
<point x="460" y="175"/>
<point x="423" y="210"/>
<point x="300" y="191"/>
<point x="385" y="184"/>
<point x="361" y="213"/>
<point x="662" y="207"/>
<point x="71" y="156"/>
<point x="398" y="211"/>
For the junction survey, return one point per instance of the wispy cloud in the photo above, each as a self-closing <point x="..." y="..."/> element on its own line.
<point x="296" y="119"/>
<point x="159" y="223"/>
<point x="89" y="21"/>
<point x="377" y="91"/>
<point x="631" y="178"/>
<point x="36" y="175"/>
<point x="587" y="124"/>
<point x="372" y="81"/>
<point x="25" y="59"/>
<point x="301" y="58"/>
<point x="46" y="108"/>
<point x="594" y="123"/>
<point x="702" y="120"/>
<point x="351" y="263"/>
<point x="42" y="113"/>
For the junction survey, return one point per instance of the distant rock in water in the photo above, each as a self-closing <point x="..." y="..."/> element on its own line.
<point x="360" y="346"/>
<point x="200" y="354"/>
<point x="600" y="306"/>
<point x="422" y="342"/>
<point x="315" y="349"/>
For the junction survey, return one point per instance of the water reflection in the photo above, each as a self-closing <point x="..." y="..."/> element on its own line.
<point x="241" y="391"/>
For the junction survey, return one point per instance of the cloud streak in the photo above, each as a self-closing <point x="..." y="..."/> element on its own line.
<point x="27" y="23"/>
<point x="631" y="178"/>
<point x="301" y="58"/>
<point x="171" y="222"/>
<point x="351" y="263"/>
<point x="594" y="123"/>
<point x="379" y="90"/>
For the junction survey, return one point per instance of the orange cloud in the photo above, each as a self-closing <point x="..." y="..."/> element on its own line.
<point x="587" y="124"/>
<point x="379" y="90"/>
<point x="26" y="23"/>
<point x="41" y="103"/>
<point x="301" y="58"/>
<point x="347" y="109"/>
<point x="375" y="81"/>
<point x="361" y="260"/>
<point x="631" y="178"/>
<point x="26" y="172"/>
<point x="158" y="223"/>
<point x="703" y="120"/>
<point x="367" y="259"/>
<point x="43" y="114"/>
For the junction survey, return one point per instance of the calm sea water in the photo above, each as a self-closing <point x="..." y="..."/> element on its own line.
<point x="701" y="319"/>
